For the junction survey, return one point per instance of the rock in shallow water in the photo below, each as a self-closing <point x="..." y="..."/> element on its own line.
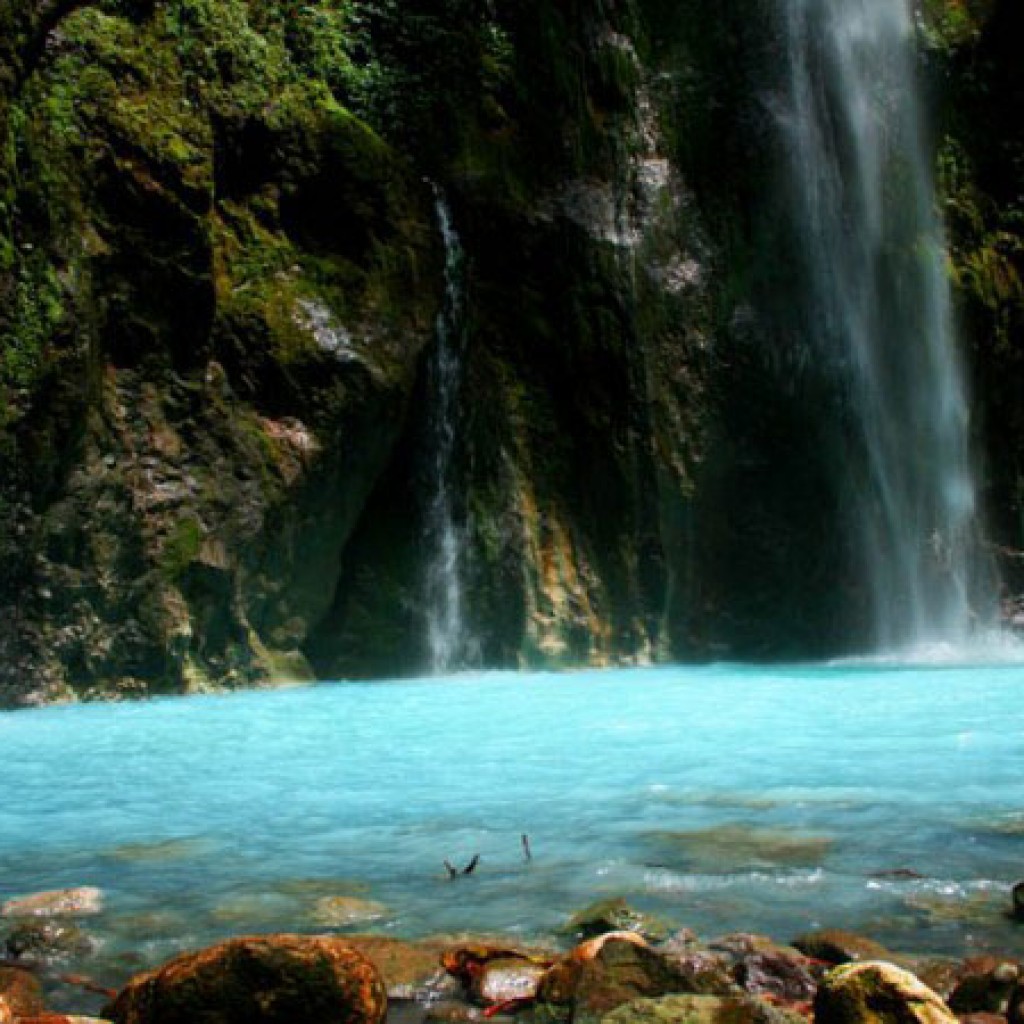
<point x="616" y="915"/>
<point x="269" y="979"/>
<point x="877" y="993"/>
<point x="835" y="946"/>
<point x="83" y="901"/>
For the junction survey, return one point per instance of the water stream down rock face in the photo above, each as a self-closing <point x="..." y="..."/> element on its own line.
<point x="876" y="308"/>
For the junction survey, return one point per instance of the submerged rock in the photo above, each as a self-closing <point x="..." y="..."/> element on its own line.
<point x="345" y="911"/>
<point x="46" y="941"/>
<point x="835" y="946"/>
<point x="877" y="993"/>
<point x="1017" y="895"/>
<point x="83" y="901"/>
<point x="616" y="915"/>
<point x="743" y="845"/>
<point x="271" y="979"/>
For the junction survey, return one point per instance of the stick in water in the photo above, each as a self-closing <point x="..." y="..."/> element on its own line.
<point x="526" y="846"/>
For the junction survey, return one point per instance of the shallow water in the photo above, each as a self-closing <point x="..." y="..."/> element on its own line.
<point x="723" y="798"/>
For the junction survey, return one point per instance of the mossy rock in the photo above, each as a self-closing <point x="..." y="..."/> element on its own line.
<point x="616" y="915"/>
<point x="876" y="992"/>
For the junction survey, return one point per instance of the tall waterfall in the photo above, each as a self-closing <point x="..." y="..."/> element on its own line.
<point x="448" y="645"/>
<point x="876" y="306"/>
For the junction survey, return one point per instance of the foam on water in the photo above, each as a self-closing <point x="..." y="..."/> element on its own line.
<point x="724" y="797"/>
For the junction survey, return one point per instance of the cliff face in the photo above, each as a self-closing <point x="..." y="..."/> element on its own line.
<point x="221" y="268"/>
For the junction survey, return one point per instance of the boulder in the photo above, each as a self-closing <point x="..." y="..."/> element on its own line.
<point x="21" y="992"/>
<point x="267" y="979"/>
<point x="83" y="901"/>
<point x="779" y="974"/>
<point x="838" y="947"/>
<point x="604" y="973"/>
<point x="616" y="915"/>
<point x="985" y="986"/>
<point x="694" y="1009"/>
<point x="702" y="972"/>
<point x="877" y="993"/>
<point x="6" y="1013"/>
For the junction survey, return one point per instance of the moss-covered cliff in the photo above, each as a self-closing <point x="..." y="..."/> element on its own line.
<point x="220" y="268"/>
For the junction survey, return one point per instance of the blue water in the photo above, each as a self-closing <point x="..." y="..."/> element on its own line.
<point x="723" y="798"/>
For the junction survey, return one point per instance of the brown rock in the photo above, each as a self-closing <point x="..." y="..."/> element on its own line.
<point x="838" y="947"/>
<point x="6" y="1013"/>
<point x="267" y="979"/>
<point x="877" y="993"/>
<point x="21" y="991"/>
<point x="606" y="972"/>
<point x="779" y="974"/>
<point x="985" y="986"/>
<point x="702" y="972"/>
<point x="1015" y="1010"/>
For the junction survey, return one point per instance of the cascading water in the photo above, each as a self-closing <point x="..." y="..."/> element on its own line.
<point x="876" y="305"/>
<point x="448" y="645"/>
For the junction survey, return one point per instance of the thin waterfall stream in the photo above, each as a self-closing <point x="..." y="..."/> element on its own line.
<point x="876" y="307"/>
<point x="447" y="642"/>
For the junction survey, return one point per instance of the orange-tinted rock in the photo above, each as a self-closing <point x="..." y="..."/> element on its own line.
<point x="21" y="991"/>
<point x="6" y="1014"/>
<point x="981" y="1018"/>
<point x="266" y="979"/>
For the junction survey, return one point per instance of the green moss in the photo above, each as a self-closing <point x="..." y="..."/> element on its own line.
<point x="181" y="547"/>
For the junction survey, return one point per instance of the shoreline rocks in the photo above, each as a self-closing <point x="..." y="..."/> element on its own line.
<point x="268" y="979"/>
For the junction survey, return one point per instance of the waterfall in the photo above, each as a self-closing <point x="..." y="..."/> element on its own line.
<point x="858" y="184"/>
<point x="448" y="645"/>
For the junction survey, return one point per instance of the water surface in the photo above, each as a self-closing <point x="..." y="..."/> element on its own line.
<point x="724" y="798"/>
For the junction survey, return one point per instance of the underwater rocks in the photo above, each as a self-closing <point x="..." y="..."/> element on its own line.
<point x="616" y="915"/>
<point x="83" y="901"/>
<point x="271" y="979"/>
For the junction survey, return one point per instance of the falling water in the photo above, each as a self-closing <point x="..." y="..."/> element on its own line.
<point x="859" y="186"/>
<point x="447" y="643"/>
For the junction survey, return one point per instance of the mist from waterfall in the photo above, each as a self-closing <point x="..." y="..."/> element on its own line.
<point x="448" y="645"/>
<point x="876" y="307"/>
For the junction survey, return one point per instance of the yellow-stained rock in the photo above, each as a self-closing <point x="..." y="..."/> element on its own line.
<point x="877" y="992"/>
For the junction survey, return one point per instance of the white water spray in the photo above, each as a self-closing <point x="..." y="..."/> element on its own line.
<point x="877" y="306"/>
<point x="448" y="645"/>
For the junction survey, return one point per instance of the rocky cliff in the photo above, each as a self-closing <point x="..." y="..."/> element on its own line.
<point x="220" y="270"/>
